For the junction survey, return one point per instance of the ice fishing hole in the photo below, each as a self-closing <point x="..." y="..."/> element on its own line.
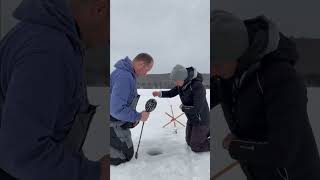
<point x="154" y="152"/>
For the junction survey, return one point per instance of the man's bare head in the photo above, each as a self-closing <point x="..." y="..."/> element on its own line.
<point x="142" y="64"/>
<point x="93" y="19"/>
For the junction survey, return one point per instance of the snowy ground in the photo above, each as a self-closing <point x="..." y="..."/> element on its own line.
<point x="176" y="161"/>
<point x="220" y="158"/>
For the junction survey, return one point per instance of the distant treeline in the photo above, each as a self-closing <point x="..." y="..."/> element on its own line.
<point x="162" y="81"/>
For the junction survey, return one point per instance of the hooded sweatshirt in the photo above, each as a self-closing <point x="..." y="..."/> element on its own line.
<point x="41" y="91"/>
<point x="123" y="90"/>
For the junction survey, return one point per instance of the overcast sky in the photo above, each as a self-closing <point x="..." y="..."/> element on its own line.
<point x="299" y="18"/>
<point x="172" y="31"/>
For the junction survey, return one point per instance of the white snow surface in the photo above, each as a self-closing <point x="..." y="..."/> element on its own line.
<point x="176" y="161"/>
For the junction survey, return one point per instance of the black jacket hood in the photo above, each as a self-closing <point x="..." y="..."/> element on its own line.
<point x="266" y="44"/>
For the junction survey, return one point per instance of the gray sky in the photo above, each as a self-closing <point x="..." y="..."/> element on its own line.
<point x="299" y="18"/>
<point x="172" y="31"/>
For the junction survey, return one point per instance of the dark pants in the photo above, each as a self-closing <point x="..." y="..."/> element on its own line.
<point x="197" y="138"/>
<point x="121" y="147"/>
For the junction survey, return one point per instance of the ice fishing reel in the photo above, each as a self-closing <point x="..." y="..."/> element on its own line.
<point x="151" y="105"/>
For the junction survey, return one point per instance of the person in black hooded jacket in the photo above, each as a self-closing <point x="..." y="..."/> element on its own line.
<point x="194" y="104"/>
<point x="45" y="112"/>
<point x="263" y="98"/>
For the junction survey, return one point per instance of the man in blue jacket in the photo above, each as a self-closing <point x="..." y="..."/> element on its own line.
<point x="43" y="100"/>
<point x="123" y="101"/>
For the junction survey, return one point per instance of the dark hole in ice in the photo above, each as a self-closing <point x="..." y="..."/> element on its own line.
<point x="154" y="152"/>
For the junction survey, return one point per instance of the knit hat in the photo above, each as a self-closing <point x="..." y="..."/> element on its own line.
<point x="229" y="37"/>
<point x="179" y="73"/>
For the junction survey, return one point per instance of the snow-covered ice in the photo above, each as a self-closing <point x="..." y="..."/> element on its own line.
<point x="175" y="161"/>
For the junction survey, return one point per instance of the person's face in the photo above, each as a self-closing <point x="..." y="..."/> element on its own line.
<point x="224" y="71"/>
<point x="142" y="68"/>
<point x="179" y="83"/>
<point x="93" y="19"/>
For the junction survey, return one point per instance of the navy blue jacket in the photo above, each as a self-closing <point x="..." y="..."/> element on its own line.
<point x="41" y="89"/>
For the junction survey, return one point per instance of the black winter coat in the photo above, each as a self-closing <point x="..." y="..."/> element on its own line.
<point x="193" y="98"/>
<point x="265" y="106"/>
